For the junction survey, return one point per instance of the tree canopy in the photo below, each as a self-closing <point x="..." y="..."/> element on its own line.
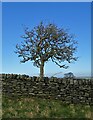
<point x="47" y="42"/>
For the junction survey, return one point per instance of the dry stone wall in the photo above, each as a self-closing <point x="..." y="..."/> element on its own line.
<point x="68" y="90"/>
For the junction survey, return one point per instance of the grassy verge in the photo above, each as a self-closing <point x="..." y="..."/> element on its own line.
<point x="42" y="108"/>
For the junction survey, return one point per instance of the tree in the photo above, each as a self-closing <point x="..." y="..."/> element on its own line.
<point x="47" y="42"/>
<point x="69" y="75"/>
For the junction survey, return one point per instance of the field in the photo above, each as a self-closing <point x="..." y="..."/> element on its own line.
<point x="33" y="107"/>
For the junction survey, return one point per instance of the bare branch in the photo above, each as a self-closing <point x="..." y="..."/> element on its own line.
<point x="45" y="42"/>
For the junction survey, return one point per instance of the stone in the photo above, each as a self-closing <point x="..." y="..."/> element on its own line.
<point x="68" y="90"/>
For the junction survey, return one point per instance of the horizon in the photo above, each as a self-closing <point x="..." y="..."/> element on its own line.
<point x="75" y="16"/>
<point x="58" y="76"/>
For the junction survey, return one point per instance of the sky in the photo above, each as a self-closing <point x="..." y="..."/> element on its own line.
<point x="46" y="0"/>
<point x="73" y="15"/>
<point x="0" y="37"/>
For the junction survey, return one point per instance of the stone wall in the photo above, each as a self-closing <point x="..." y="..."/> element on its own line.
<point x="68" y="90"/>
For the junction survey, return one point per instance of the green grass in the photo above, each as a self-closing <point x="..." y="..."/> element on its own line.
<point x="42" y="108"/>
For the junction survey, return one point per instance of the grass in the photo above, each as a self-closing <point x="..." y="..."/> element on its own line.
<point x="41" y="108"/>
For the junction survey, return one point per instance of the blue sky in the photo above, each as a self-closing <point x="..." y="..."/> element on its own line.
<point x="75" y="16"/>
<point x="1" y="37"/>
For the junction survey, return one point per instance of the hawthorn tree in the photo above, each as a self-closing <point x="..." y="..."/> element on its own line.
<point x="44" y="43"/>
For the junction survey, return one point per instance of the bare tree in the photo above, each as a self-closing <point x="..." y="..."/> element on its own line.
<point x="47" y="42"/>
<point x="69" y="75"/>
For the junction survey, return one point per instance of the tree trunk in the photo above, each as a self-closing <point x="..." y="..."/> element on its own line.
<point x="42" y="70"/>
